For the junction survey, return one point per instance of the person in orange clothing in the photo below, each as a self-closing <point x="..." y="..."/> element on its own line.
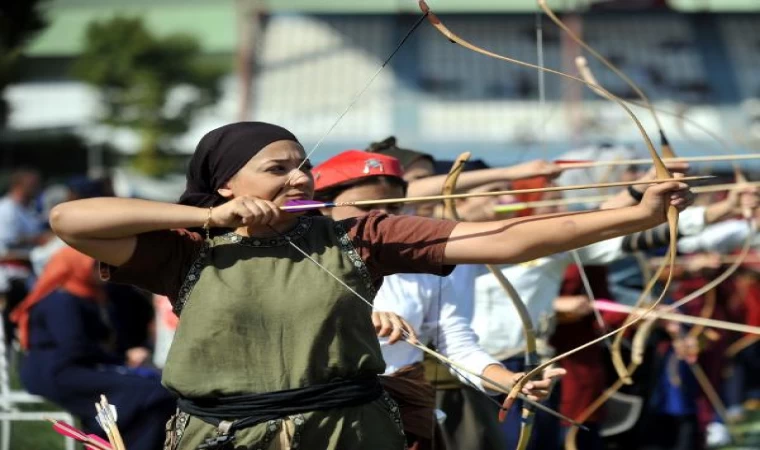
<point x="67" y="361"/>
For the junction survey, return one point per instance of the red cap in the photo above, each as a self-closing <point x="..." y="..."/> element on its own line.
<point x="354" y="165"/>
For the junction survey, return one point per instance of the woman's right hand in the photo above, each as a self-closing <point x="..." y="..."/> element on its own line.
<point x="394" y="327"/>
<point x="244" y="211"/>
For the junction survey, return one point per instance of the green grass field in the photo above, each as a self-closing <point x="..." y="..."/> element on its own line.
<point x="36" y="435"/>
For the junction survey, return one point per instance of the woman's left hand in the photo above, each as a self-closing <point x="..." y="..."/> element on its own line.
<point x="391" y="325"/>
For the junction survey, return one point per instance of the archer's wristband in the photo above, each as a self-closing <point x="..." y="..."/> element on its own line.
<point x="638" y="196"/>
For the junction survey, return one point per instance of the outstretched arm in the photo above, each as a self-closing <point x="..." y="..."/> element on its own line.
<point x="106" y="228"/>
<point x="472" y="179"/>
<point x="525" y="239"/>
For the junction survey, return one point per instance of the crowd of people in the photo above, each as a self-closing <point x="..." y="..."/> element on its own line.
<point x="225" y="322"/>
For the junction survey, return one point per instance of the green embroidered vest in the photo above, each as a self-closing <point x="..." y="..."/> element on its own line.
<point x="257" y="316"/>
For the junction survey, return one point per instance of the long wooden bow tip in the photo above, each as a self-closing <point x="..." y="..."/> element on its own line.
<point x="425" y="8"/>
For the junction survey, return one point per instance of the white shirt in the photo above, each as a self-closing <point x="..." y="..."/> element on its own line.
<point x="720" y="237"/>
<point x="495" y="319"/>
<point x="418" y="298"/>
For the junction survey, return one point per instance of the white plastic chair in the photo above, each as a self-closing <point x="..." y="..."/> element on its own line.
<point x="10" y="399"/>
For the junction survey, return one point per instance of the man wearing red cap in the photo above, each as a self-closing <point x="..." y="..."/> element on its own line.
<point x="429" y="303"/>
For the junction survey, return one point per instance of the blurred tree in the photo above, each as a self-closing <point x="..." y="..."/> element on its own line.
<point x="19" y="22"/>
<point x="153" y="86"/>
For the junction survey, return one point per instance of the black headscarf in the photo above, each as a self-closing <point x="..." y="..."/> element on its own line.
<point x="221" y="153"/>
<point x="404" y="155"/>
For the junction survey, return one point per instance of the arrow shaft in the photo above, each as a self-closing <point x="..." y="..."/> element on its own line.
<point x="630" y="162"/>
<point x="432" y="198"/>
<point x="600" y="198"/>
<point x="683" y="318"/>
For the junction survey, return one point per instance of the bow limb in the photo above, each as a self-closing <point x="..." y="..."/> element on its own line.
<point x="548" y="11"/>
<point x="617" y="344"/>
<point x="667" y="151"/>
<point x="587" y="75"/>
<point x="662" y="171"/>
<point x="741" y="344"/>
<point x="624" y="374"/>
<point x="708" y="308"/>
<point x="531" y="352"/>
<point x="617" y="356"/>
<point x="639" y="346"/>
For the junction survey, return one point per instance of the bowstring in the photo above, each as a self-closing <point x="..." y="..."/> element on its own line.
<point x="541" y="81"/>
<point x="361" y="92"/>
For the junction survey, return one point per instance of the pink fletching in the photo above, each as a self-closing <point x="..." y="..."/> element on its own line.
<point x="69" y="431"/>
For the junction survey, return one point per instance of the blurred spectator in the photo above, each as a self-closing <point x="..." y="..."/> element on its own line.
<point x="70" y="359"/>
<point x="165" y="325"/>
<point x="20" y="227"/>
<point x="130" y="310"/>
<point x="76" y="188"/>
<point x="39" y="255"/>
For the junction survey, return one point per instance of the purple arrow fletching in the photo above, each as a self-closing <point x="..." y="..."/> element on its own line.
<point x="305" y="205"/>
<point x="302" y="205"/>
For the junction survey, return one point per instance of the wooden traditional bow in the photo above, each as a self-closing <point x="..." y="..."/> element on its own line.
<point x="667" y="152"/>
<point x="746" y="212"/>
<point x="661" y="170"/>
<point x="624" y="372"/>
<point x="531" y="351"/>
<point x="617" y="355"/>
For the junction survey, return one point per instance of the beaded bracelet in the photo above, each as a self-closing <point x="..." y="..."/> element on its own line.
<point x="207" y="223"/>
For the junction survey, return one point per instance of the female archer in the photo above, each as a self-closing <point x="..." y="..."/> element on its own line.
<point x="274" y="347"/>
